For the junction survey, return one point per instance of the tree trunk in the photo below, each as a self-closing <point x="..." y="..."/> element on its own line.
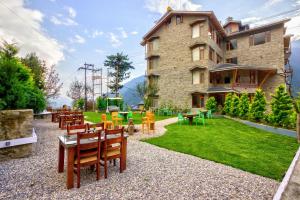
<point x="298" y="127"/>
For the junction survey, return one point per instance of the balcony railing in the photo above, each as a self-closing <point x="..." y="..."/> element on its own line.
<point x="245" y="85"/>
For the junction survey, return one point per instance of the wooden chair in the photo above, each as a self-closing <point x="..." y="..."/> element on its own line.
<point x="67" y="120"/>
<point x="78" y="119"/>
<point x="112" y="148"/>
<point x="107" y="124"/>
<point x="149" y="122"/>
<point x="97" y="127"/>
<point x="88" y="154"/>
<point x="116" y="119"/>
<point x="74" y="129"/>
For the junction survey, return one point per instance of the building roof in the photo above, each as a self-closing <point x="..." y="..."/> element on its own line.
<point x="232" y="21"/>
<point x="230" y="66"/>
<point x="169" y="14"/>
<point x="258" y="28"/>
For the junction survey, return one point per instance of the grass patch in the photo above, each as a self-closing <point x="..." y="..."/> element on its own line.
<point x="137" y="117"/>
<point x="232" y="143"/>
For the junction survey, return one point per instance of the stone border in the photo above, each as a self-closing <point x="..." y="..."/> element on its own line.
<point x="19" y="141"/>
<point x="287" y="177"/>
<point x="272" y="129"/>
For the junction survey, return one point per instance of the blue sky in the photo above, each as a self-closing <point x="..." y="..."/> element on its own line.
<point x="68" y="33"/>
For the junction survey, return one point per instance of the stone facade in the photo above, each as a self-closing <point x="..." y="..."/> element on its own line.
<point x="15" y="124"/>
<point x="175" y="58"/>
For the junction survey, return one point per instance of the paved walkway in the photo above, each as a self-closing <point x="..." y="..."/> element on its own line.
<point x="152" y="173"/>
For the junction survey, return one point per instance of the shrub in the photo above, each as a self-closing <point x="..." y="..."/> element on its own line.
<point x="101" y="103"/>
<point x="282" y="108"/>
<point x="244" y="106"/>
<point x="227" y="103"/>
<point x="17" y="89"/>
<point x="258" y="106"/>
<point x="79" y="104"/>
<point x="234" y="107"/>
<point x="211" y="104"/>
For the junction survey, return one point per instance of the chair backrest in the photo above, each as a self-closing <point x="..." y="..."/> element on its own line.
<point x="148" y="113"/>
<point x="87" y="149"/>
<point x="151" y="117"/>
<point x="114" y="114"/>
<point x="74" y="129"/>
<point x="103" y="117"/>
<point x="113" y="137"/>
<point x="180" y="116"/>
<point x="98" y="126"/>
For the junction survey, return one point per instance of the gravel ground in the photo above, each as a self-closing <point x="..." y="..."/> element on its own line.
<point x="152" y="173"/>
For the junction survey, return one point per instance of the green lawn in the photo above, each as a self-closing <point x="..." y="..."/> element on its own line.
<point x="232" y="143"/>
<point x="137" y="118"/>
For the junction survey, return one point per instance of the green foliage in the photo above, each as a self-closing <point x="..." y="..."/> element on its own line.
<point x="101" y="103"/>
<point x="119" y="66"/>
<point x="17" y="89"/>
<point x="227" y="103"/>
<point x="258" y="106"/>
<point x="282" y="107"/>
<point x="38" y="69"/>
<point x="79" y="104"/>
<point x="234" y="107"/>
<point x="211" y="104"/>
<point x="244" y="106"/>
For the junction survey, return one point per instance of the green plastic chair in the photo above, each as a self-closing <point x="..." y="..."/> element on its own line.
<point x="129" y="115"/>
<point x="200" y="118"/>
<point x="209" y="114"/>
<point x="180" y="119"/>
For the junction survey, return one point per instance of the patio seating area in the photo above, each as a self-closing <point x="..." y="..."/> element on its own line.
<point x="151" y="173"/>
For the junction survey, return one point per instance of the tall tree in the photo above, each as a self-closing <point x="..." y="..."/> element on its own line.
<point x="244" y="106"/>
<point x="119" y="66"/>
<point x="258" y="106"/>
<point x="76" y="90"/>
<point x="234" y="107"/>
<point x="227" y="103"/>
<point x="52" y="83"/>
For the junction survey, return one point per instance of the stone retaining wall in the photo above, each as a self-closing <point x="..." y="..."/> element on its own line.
<point x="15" y="124"/>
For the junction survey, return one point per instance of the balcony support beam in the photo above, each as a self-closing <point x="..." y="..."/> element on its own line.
<point x="234" y="78"/>
<point x="265" y="78"/>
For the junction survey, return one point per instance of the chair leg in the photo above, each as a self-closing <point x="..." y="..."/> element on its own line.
<point x="78" y="177"/>
<point x="121" y="169"/>
<point x="105" y="168"/>
<point x="98" y="171"/>
<point x="114" y="162"/>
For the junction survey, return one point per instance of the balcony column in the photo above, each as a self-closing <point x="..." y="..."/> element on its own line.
<point x="234" y="78"/>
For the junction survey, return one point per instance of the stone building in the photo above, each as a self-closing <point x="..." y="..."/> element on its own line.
<point x="191" y="57"/>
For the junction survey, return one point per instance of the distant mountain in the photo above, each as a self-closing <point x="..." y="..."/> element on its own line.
<point x="129" y="93"/>
<point x="60" y="101"/>
<point x="295" y="63"/>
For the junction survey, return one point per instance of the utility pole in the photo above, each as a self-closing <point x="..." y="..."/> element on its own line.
<point x="85" y="68"/>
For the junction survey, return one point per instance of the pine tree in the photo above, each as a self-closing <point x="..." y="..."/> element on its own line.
<point x="258" y="106"/>
<point x="211" y="104"/>
<point x="244" y="106"/>
<point x="227" y="103"/>
<point x="282" y="107"/>
<point x="234" y="107"/>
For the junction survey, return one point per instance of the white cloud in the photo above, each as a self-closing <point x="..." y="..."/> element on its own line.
<point x="60" y="20"/>
<point x="99" y="51"/>
<point x="71" y="11"/>
<point x="271" y="3"/>
<point x="123" y="32"/>
<point x="114" y="40"/>
<point x="32" y="38"/>
<point x="77" y="39"/>
<point x="96" y="33"/>
<point x="134" y="32"/>
<point x="160" y="6"/>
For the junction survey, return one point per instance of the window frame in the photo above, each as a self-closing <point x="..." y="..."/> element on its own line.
<point x="267" y="38"/>
<point x="180" y="19"/>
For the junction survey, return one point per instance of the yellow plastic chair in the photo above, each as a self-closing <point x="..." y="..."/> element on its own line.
<point x="116" y="119"/>
<point x="149" y="122"/>
<point x="107" y="124"/>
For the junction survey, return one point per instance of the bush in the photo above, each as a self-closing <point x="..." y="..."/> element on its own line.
<point x="227" y="103"/>
<point x="244" y="106"/>
<point x="234" y="107"/>
<point x="101" y="103"/>
<point x="211" y="104"/>
<point x="17" y="89"/>
<point x="282" y="108"/>
<point x="79" y="104"/>
<point x="258" y="106"/>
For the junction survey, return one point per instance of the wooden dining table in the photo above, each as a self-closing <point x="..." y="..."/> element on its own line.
<point x="190" y="116"/>
<point x="69" y="144"/>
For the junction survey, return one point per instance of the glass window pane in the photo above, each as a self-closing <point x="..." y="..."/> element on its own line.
<point x="259" y="38"/>
<point x="196" y="77"/>
<point x="195" y="54"/>
<point x="195" y="31"/>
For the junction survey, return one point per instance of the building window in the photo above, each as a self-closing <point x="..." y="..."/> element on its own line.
<point x="219" y="59"/>
<point x="218" y="38"/>
<point x="153" y="63"/>
<point x="197" y="100"/>
<point x="179" y="19"/>
<point x="231" y="45"/>
<point x="168" y="22"/>
<point x="196" y="77"/>
<point x="211" y="54"/>
<point x="154" y="102"/>
<point x="196" y="54"/>
<point x="232" y="60"/>
<point x="260" y="38"/>
<point x="155" y="44"/>
<point x="196" y="31"/>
